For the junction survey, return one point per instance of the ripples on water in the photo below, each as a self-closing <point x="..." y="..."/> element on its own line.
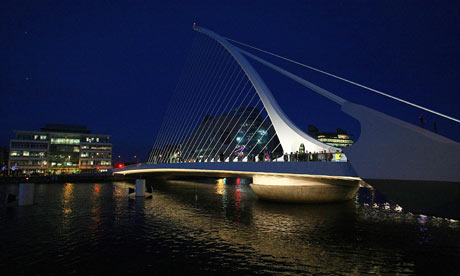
<point x="192" y="228"/>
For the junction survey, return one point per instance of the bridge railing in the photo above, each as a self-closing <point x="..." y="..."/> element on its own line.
<point x="291" y="157"/>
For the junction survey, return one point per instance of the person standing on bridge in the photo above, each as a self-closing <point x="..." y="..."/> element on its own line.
<point x="240" y="156"/>
<point x="261" y="157"/>
<point x="267" y="156"/>
<point x="323" y="156"/>
<point x="337" y="156"/>
<point x="221" y="157"/>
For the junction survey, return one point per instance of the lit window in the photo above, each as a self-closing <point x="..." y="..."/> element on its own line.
<point x="67" y="141"/>
<point x="25" y="153"/>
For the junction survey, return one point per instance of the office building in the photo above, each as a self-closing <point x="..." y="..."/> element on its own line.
<point x="59" y="149"/>
<point x="339" y="139"/>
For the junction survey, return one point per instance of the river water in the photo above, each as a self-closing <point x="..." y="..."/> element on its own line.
<point x="211" y="227"/>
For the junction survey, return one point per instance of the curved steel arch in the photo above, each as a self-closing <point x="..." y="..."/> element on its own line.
<point x="289" y="135"/>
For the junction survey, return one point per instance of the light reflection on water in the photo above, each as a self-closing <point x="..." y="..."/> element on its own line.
<point x="67" y="195"/>
<point x="217" y="226"/>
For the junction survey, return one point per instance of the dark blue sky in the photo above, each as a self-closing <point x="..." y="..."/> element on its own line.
<point x="113" y="65"/>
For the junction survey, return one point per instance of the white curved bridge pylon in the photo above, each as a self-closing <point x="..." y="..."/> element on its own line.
<point x="289" y="135"/>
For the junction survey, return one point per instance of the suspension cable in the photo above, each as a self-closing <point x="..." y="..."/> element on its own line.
<point x="188" y="113"/>
<point x="242" y="125"/>
<point x="218" y="123"/>
<point x="230" y="121"/>
<point x="249" y="153"/>
<point x="346" y="80"/>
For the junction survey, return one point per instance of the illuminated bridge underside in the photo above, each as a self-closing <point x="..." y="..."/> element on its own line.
<point x="279" y="181"/>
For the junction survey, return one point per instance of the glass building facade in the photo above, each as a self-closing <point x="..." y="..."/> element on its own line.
<point x="59" y="149"/>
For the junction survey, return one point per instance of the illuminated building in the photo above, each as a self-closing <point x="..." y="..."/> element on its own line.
<point x="249" y="134"/>
<point x="339" y="139"/>
<point x="59" y="149"/>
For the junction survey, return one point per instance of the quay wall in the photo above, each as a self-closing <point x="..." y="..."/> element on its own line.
<point x="72" y="178"/>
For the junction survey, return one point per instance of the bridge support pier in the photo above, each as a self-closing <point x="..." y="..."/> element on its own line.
<point x="140" y="187"/>
<point x="26" y="194"/>
<point x="305" y="189"/>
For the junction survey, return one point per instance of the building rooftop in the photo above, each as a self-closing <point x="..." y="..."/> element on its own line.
<point x="65" y="128"/>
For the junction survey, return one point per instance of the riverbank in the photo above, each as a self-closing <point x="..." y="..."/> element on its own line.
<point x="73" y="178"/>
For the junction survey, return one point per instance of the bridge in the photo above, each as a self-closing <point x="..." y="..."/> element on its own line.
<point x="224" y="121"/>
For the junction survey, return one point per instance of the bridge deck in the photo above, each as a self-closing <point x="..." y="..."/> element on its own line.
<point x="245" y="169"/>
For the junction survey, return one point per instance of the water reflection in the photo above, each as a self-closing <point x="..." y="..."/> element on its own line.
<point x="229" y="190"/>
<point x="96" y="190"/>
<point x="67" y="197"/>
<point x="220" y="186"/>
<point x="318" y="238"/>
<point x="424" y="236"/>
<point x="280" y="231"/>
<point x="96" y="208"/>
<point x="118" y="198"/>
<point x="237" y="200"/>
<point x="74" y="226"/>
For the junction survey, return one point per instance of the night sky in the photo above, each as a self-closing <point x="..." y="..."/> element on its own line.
<point x="113" y="65"/>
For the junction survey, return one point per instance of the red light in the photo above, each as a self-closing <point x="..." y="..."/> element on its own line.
<point x="120" y="165"/>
